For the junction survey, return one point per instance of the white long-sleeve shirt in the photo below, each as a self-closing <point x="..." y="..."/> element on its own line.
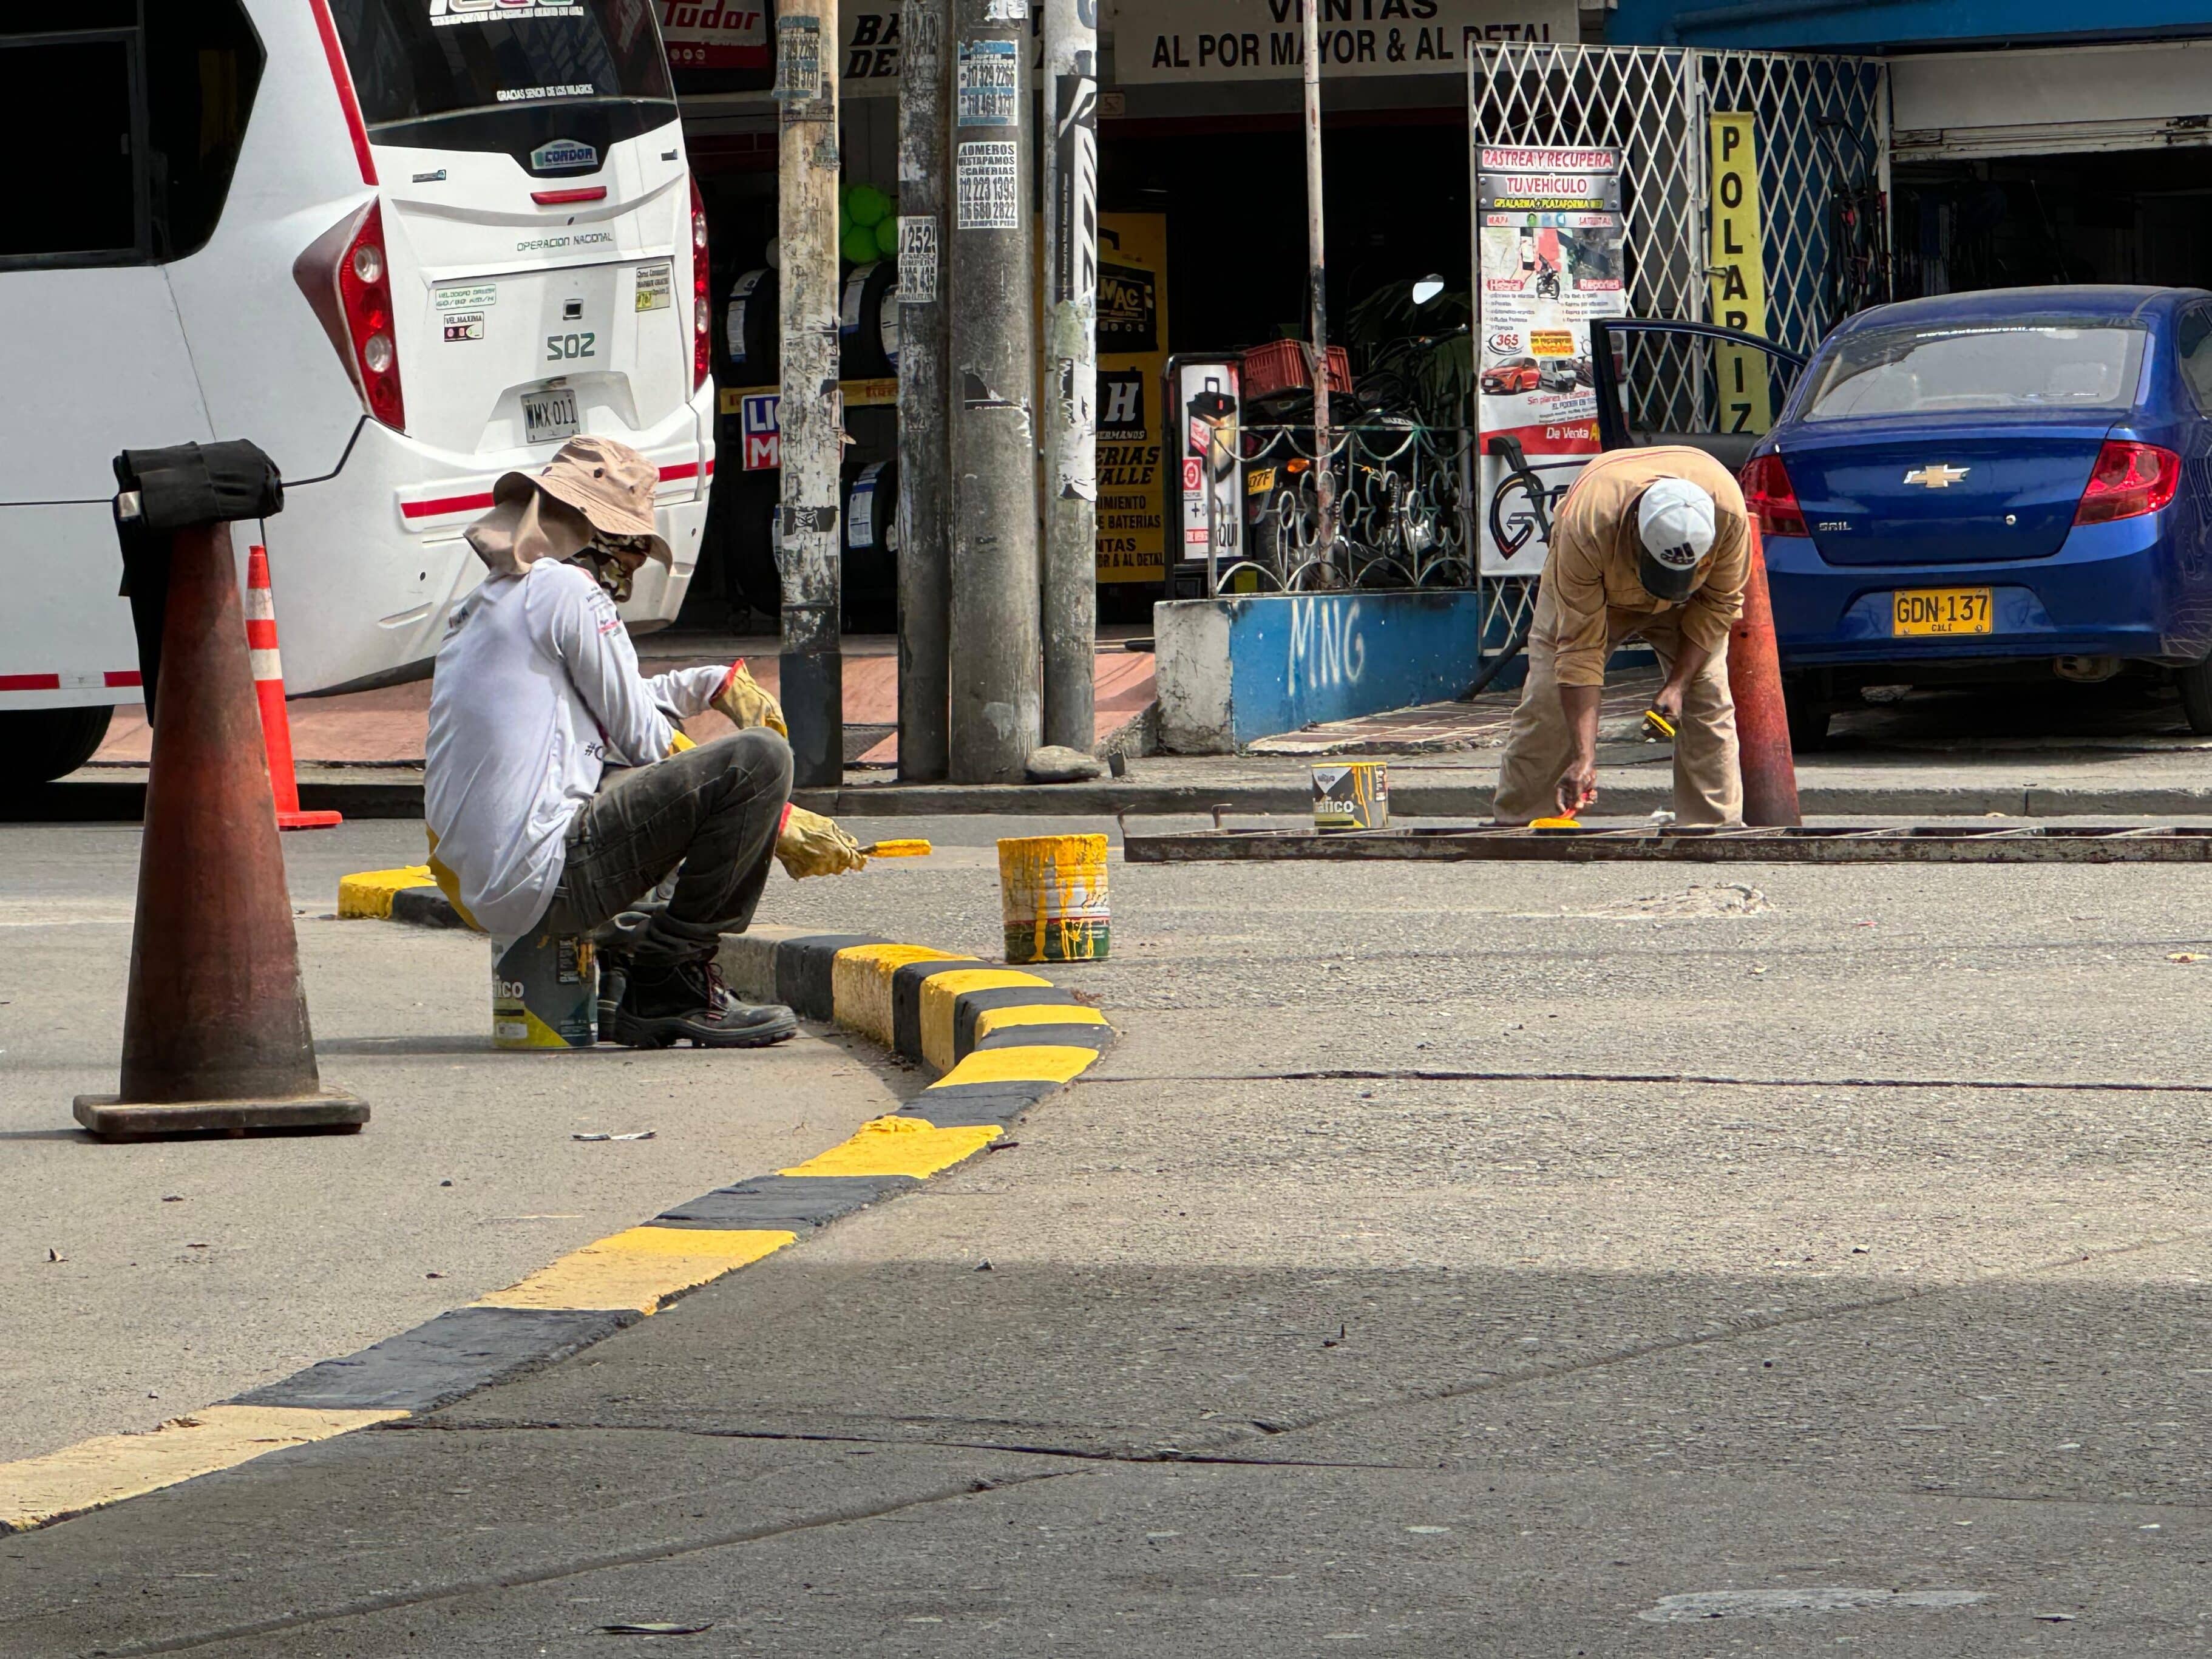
<point x="536" y="692"/>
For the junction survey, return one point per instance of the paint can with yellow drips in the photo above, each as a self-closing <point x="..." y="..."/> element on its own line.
<point x="545" y="993"/>
<point x="1352" y="795"/>
<point x="1053" y="891"/>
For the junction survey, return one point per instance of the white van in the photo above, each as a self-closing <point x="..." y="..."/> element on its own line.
<point x="404" y="246"/>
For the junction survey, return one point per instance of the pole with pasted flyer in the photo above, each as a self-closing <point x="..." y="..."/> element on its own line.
<point x="811" y="414"/>
<point x="1070" y="279"/>
<point x="997" y="714"/>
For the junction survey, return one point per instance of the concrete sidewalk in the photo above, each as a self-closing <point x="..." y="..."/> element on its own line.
<point x="2065" y="751"/>
<point x="386" y="727"/>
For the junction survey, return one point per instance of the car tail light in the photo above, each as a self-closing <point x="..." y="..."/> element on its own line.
<point x="702" y="325"/>
<point x="2129" y="480"/>
<point x="1772" y="499"/>
<point x="347" y="277"/>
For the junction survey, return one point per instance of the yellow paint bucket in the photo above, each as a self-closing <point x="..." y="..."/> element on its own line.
<point x="1053" y="889"/>
<point x="1352" y="795"/>
<point x="545" y="993"/>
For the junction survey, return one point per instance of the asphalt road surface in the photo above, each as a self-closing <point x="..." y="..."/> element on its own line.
<point x="1374" y="1295"/>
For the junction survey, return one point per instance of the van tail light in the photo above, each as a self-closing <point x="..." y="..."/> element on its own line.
<point x="346" y="274"/>
<point x="1772" y="499"/>
<point x="2129" y="480"/>
<point x="703" y="327"/>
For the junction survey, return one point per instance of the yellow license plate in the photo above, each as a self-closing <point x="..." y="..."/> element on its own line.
<point x="1934" y="611"/>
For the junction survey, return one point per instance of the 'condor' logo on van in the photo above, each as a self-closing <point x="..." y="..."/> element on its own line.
<point x="563" y="155"/>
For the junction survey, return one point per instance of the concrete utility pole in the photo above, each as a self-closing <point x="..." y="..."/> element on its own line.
<point x="997" y="718"/>
<point x="1317" y="260"/>
<point x="811" y="416"/>
<point x="1070" y="298"/>
<point x="925" y="558"/>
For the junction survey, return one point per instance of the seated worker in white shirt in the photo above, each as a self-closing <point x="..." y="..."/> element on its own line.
<point x="557" y="787"/>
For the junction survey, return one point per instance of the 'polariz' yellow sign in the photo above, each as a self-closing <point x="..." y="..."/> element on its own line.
<point x="1738" y="267"/>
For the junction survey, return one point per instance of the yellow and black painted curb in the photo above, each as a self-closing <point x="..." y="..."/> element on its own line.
<point x="1001" y="1039"/>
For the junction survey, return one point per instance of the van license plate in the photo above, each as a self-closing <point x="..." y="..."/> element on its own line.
<point x="547" y="415"/>
<point x="1936" y="611"/>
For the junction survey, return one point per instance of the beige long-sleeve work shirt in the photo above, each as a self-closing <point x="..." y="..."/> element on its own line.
<point x="1590" y="575"/>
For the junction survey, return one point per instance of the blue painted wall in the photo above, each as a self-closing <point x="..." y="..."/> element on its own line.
<point x="1295" y="658"/>
<point x="1864" y="24"/>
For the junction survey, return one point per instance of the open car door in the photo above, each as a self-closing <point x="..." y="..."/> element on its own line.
<point x="1661" y="382"/>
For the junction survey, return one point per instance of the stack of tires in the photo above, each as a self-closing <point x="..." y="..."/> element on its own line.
<point x="867" y="320"/>
<point x="742" y="521"/>
<point x="752" y="330"/>
<point x="869" y="513"/>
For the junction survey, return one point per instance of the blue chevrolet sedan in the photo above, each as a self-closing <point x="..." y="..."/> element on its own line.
<point x="1999" y="485"/>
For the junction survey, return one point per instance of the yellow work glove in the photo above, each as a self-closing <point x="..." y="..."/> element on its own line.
<point x="811" y="845"/>
<point x="746" y="704"/>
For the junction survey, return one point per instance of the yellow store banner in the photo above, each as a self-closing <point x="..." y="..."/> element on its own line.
<point x="1132" y="356"/>
<point x="1739" y="273"/>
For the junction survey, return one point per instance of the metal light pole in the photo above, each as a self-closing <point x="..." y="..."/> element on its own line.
<point x="925" y="558"/>
<point x="810" y="416"/>
<point x="1316" y="259"/>
<point x="996" y="712"/>
<point x="1071" y="399"/>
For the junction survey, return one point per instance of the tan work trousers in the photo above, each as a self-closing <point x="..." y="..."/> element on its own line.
<point x="1708" y="771"/>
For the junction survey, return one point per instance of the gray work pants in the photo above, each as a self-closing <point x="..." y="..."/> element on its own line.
<point x="1708" y="769"/>
<point x="714" y="810"/>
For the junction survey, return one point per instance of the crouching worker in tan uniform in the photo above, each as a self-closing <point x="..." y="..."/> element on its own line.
<point x="557" y="789"/>
<point x="1649" y="544"/>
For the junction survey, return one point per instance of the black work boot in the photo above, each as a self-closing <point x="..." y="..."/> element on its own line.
<point x="667" y="1002"/>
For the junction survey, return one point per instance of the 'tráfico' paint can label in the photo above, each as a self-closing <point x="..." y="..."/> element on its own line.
<point x="545" y="993"/>
<point x="1352" y="795"/>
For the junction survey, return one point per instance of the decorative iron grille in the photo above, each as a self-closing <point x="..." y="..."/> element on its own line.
<point x="1403" y="494"/>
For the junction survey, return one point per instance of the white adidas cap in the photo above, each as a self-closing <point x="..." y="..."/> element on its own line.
<point x="1675" y="519"/>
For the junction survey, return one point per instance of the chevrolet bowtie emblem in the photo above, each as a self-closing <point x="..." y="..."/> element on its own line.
<point x="1938" y="477"/>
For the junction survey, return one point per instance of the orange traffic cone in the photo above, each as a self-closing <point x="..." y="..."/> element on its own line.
<point x="215" y="1038"/>
<point x="269" y="688"/>
<point x="1762" y="723"/>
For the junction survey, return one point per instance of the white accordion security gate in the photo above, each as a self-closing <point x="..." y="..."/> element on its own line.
<point x="1823" y="126"/>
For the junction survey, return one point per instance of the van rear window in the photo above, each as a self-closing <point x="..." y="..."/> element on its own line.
<point x="1965" y="367"/>
<point x="431" y="61"/>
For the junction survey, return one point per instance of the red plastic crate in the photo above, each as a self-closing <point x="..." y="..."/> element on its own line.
<point x="1280" y="365"/>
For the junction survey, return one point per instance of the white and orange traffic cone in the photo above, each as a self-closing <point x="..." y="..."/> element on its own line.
<point x="269" y="688"/>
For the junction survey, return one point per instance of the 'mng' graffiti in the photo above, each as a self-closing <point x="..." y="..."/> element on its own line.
<point x="1326" y="648"/>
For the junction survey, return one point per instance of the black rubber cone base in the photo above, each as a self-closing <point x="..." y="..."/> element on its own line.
<point x="332" y="1111"/>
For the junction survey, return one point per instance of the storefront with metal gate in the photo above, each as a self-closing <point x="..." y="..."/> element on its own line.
<point x="1807" y="143"/>
<point x="1203" y="196"/>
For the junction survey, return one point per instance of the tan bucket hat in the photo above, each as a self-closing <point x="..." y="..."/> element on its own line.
<point x="609" y="483"/>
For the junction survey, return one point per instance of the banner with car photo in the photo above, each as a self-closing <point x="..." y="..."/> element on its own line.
<point x="1551" y="237"/>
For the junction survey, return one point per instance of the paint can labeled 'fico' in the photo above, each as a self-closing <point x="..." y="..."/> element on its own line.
<point x="1053" y="889"/>
<point x="545" y="993"/>
<point x="1352" y="795"/>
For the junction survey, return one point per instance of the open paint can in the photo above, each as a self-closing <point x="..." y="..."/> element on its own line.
<point x="1052" y="894"/>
